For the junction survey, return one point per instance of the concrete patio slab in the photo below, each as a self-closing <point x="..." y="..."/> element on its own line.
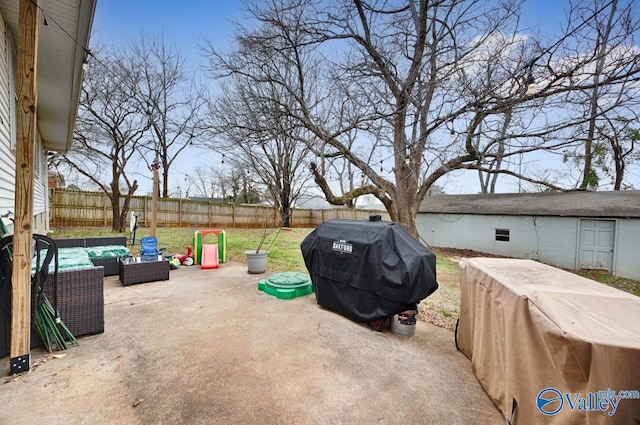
<point x="207" y="347"/>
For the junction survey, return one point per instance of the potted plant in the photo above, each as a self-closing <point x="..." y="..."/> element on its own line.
<point x="257" y="258"/>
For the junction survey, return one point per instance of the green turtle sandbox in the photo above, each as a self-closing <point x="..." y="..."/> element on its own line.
<point x="286" y="285"/>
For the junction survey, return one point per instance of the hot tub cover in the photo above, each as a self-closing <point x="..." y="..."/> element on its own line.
<point x="541" y="339"/>
<point x="368" y="270"/>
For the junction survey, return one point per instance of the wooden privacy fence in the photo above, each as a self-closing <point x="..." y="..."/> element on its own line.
<point x="72" y="208"/>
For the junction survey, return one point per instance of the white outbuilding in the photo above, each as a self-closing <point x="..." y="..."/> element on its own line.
<point x="572" y="230"/>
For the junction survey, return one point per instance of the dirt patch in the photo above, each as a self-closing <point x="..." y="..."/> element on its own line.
<point x="442" y="308"/>
<point x="456" y="254"/>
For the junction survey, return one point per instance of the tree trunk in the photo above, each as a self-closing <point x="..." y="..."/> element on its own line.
<point x="285" y="207"/>
<point x="117" y="224"/>
<point x="119" y="215"/>
<point x="286" y="216"/>
<point x="589" y="177"/>
<point x="404" y="202"/>
<point x="126" y="204"/>
<point x="165" y="179"/>
<point x="618" y="160"/>
<point x="405" y="215"/>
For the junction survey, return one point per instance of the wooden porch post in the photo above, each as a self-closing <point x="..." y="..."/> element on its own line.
<point x="28" y="29"/>
<point x="156" y="195"/>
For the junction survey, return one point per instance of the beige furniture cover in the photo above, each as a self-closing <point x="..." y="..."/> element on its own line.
<point x="527" y="327"/>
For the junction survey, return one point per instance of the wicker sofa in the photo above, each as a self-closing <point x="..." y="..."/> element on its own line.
<point x="80" y="302"/>
<point x="110" y="264"/>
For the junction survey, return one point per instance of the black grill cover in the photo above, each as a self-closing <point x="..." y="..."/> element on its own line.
<point x="368" y="270"/>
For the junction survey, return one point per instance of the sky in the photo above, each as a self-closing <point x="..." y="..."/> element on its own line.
<point x="188" y="22"/>
<point x="185" y="24"/>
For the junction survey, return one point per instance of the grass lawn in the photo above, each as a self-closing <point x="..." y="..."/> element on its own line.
<point x="442" y="308"/>
<point x="284" y="253"/>
<point x="627" y="285"/>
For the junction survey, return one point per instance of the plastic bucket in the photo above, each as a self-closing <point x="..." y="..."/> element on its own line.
<point x="404" y="323"/>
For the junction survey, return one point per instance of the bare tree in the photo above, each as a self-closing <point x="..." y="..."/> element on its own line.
<point x="606" y="49"/>
<point x="617" y="147"/>
<point x="488" y="179"/>
<point x="256" y="131"/>
<point x="403" y="75"/>
<point x="202" y="181"/>
<point x="170" y="98"/>
<point x="108" y="132"/>
<point x="606" y="41"/>
<point x="215" y="182"/>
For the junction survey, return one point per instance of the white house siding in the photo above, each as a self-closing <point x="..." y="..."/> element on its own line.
<point x="7" y="141"/>
<point x="551" y="240"/>
<point x="547" y="239"/>
<point x="7" y="148"/>
<point x="40" y="192"/>
<point x="626" y="259"/>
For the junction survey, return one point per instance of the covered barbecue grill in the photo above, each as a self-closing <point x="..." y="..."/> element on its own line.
<point x="368" y="270"/>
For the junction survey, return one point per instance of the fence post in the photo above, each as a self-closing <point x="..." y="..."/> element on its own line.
<point x="233" y="215"/>
<point x="52" y="204"/>
<point x="104" y="210"/>
<point x="51" y="191"/>
<point x="144" y="212"/>
<point x="179" y="212"/>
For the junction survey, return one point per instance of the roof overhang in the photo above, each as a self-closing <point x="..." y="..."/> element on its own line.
<point x="61" y="53"/>
<point x="612" y="204"/>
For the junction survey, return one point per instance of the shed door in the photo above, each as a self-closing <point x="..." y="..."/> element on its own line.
<point x="596" y="244"/>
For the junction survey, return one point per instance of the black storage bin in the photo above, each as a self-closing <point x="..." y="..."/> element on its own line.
<point x="368" y="270"/>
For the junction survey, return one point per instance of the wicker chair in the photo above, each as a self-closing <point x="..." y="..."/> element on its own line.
<point x="80" y="301"/>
